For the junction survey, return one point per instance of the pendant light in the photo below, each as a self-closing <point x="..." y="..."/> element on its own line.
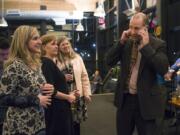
<point x="79" y="26"/>
<point x="3" y="22"/>
<point x="99" y="12"/>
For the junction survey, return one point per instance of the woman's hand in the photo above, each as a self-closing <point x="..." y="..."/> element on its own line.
<point x="69" y="77"/>
<point x="87" y="99"/>
<point x="76" y="93"/>
<point x="45" y="100"/>
<point x="71" y="97"/>
<point x="47" y="89"/>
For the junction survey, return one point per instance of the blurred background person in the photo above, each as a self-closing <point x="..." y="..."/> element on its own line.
<point x="174" y="70"/>
<point x="22" y="83"/>
<point x="96" y="82"/>
<point x="4" y="51"/>
<point x="77" y="77"/>
<point x="58" y="115"/>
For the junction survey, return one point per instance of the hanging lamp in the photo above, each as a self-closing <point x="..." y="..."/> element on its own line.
<point x="99" y="12"/>
<point x="79" y="26"/>
<point x="3" y="22"/>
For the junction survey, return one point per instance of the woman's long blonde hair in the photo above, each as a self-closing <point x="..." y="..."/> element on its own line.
<point x="65" y="56"/>
<point x="19" y="46"/>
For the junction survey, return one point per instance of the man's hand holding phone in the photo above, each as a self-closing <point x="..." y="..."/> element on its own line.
<point x="125" y="35"/>
<point x="145" y="37"/>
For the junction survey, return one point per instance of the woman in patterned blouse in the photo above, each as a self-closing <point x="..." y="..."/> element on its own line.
<point x="22" y="85"/>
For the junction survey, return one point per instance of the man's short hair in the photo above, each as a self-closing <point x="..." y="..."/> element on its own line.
<point x="4" y="43"/>
<point x="143" y="16"/>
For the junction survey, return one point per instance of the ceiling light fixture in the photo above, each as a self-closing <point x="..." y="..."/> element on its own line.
<point x="59" y="21"/>
<point x="131" y="9"/>
<point x="79" y="26"/>
<point x="99" y="12"/>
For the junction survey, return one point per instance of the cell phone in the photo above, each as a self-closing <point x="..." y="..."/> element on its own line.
<point x="136" y="39"/>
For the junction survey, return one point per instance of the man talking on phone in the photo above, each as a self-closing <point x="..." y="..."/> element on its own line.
<point x="139" y="98"/>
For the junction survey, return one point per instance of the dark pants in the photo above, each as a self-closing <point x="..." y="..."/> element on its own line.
<point x="129" y="117"/>
<point x="1" y="127"/>
<point x="76" y="127"/>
